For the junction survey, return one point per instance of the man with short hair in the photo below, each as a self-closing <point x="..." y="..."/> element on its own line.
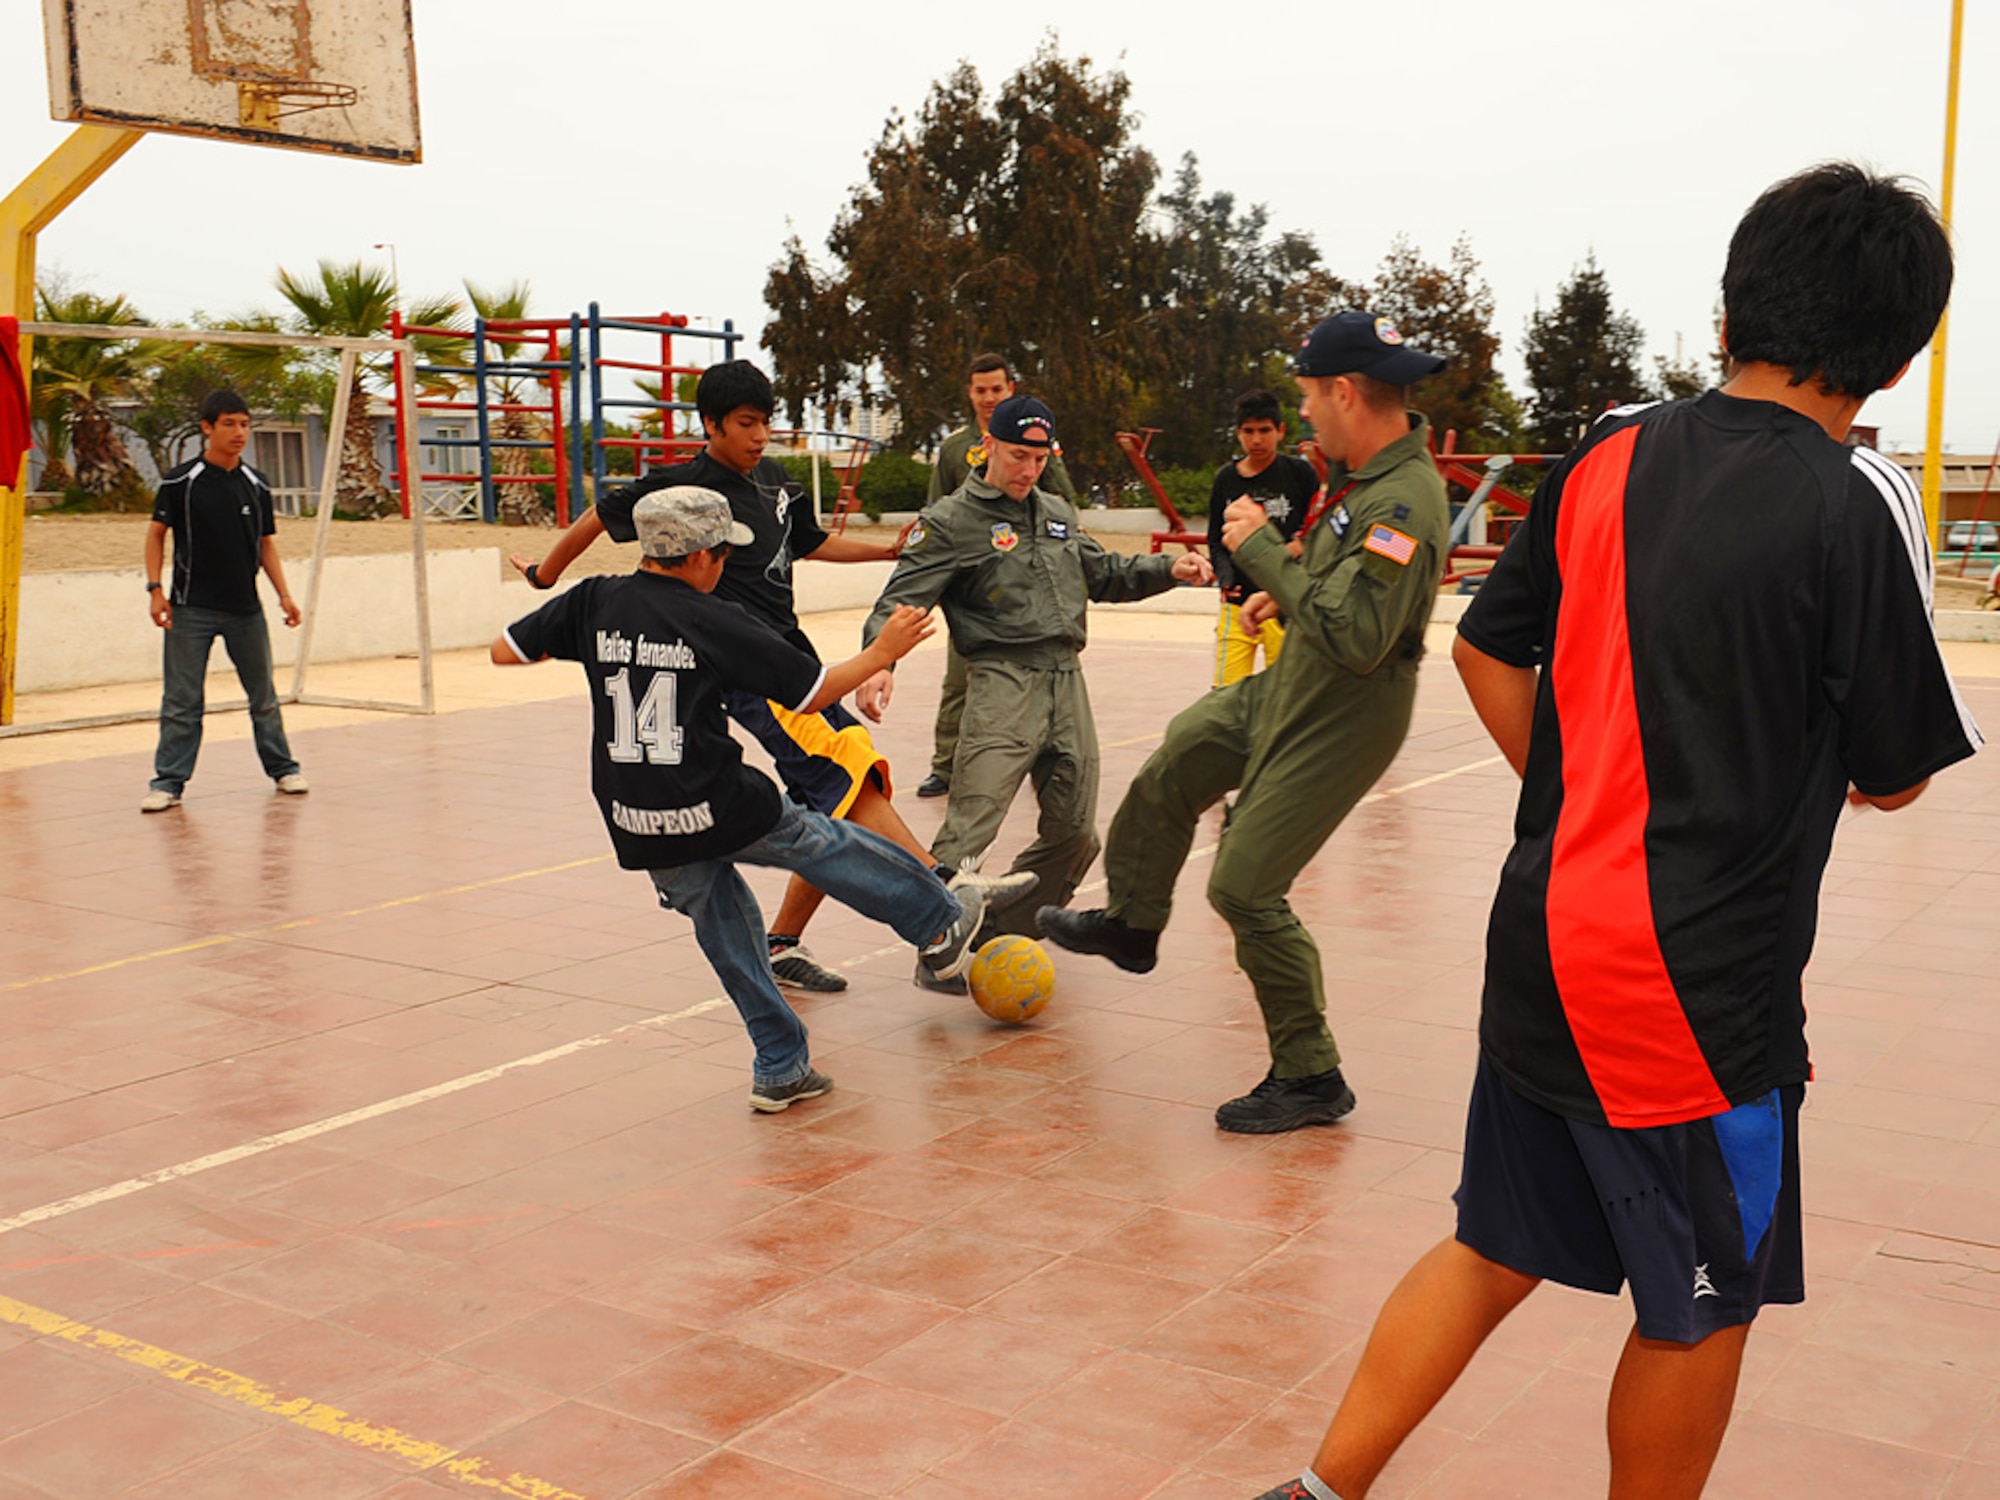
<point x="1305" y="740"/>
<point x="219" y="512"/>
<point x="1284" y="485"/>
<point x="826" y="759"/>
<point x="989" y="380"/>
<point x="1015" y="573"/>
<point x="1712" y="631"/>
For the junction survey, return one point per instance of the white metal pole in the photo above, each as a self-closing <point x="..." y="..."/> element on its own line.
<point x="413" y="497"/>
<point x="329" y="482"/>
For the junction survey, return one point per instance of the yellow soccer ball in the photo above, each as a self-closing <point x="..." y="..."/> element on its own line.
<point x="1011" y="978"/>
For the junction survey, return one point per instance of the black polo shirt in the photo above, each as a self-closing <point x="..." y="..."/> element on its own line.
<point x="780" y="516"/>
<point x="668" y="775"/>
<point x="219" y="518"/>
<point x="1731" y="613"/>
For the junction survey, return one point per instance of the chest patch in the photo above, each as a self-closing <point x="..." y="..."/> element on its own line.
<point x="1339" y="520"/>
<point x="1059" y="530"/>
<point x="1387" y="541"/>
<point x="1004" y="537"/>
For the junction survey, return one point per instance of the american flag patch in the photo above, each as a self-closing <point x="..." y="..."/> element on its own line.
<point x="1387" y="541"/>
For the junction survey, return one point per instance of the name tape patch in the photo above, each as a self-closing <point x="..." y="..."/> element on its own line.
<point x="1387" y="541"/>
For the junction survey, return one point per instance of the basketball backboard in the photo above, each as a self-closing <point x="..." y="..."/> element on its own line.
<point x="316" y="75"/>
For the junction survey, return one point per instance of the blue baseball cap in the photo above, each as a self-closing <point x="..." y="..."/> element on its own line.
<point x="1359" y="343"/>
<point x="1023" y="420"/>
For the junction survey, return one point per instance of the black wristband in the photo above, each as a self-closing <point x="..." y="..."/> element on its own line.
<point x="151" y="586"/>
<point x="534" y="578"/>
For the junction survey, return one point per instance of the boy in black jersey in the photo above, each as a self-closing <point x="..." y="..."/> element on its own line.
<point x="826" y="759"/>
<point x="1712" y="632"/>
<point x="661" y="653"/>
<point x="1284" y="486"/>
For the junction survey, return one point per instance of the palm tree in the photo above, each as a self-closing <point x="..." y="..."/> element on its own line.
<point x="522" y="503"/>
<point x="351" y="300"/>
<point x="75" y="379"/>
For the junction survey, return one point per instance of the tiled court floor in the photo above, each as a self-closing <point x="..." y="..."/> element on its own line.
<point x="992" y="1263"/>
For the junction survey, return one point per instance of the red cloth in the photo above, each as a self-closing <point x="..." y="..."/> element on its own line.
<point x="16" y="431"/>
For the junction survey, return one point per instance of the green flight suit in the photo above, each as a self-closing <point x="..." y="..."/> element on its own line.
<point x="1015" y="578"/>
<point x="1304" y="740"/>
<point x="953" y="467"/>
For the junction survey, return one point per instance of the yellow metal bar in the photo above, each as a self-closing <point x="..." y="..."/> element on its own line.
<point x="1934" y="424"/>
<point x="83" y="157"/>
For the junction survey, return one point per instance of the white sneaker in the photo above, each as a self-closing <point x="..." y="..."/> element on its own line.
<point x="293" y="785"/>
<point x="159" y="801"/>
<point x="998" y="889"/>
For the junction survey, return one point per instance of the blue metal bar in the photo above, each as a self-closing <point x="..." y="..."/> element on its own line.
<point x="730" y="338"/>
<point x="596" y="402"/>
<point x="489" y="499"/>
<point x="727" y="332"/>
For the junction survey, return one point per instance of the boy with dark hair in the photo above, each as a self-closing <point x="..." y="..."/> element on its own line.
<point x="826" y="758"/>
<point x="1284" y="486"/>
<point x="662" y="653"/>
<point x="1713" y="629"/>
<point x="219" y="512"/>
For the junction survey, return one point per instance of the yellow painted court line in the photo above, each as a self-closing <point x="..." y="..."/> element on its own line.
<point x="314" y="1416"/>
<point x="223" y="939"/>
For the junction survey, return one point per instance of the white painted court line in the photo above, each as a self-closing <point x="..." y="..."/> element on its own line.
<point x="63" y="1207"/>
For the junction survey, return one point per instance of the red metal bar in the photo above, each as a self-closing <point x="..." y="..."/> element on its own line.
<point x="1135" y="445"/>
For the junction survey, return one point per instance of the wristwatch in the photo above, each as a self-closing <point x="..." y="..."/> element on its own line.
<point x="151" y="586"/>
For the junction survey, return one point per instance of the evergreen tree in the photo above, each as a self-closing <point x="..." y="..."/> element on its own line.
<point x="1448" y="310"/>
<point x="1582" y="357"/>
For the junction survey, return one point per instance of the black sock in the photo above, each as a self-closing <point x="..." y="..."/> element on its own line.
<point x="780" y="941"/>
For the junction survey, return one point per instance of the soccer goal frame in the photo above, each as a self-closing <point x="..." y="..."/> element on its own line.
<point x="351" y="350"/>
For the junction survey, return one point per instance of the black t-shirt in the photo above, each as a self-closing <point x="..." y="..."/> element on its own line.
<point x="1285" y="489"/>
<point x="778" y="513"/>
<point x="219" y="518"/>
<point x="668" y="776"/>
<point x="1731" y="613"/>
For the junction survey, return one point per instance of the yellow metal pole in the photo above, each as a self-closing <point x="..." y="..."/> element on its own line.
<point x="83" y="157"/>
<point x="1934" y="426"/>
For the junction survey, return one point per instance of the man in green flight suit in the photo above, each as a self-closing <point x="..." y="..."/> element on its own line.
<point x="1015" y="574"/>
<point x="988" y="381"/>
<point x="1306" y="739"/>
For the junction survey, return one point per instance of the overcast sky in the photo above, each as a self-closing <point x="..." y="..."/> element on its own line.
<point x="654" y="157"/>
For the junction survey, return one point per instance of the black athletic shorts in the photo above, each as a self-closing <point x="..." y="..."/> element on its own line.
<point x="1701" y="1218"/>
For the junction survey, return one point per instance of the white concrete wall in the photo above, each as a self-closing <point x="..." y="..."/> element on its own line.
<point x="90" y="628"/>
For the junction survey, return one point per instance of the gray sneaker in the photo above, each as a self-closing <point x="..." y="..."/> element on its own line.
<point x="951" y="955"/>
<point x="769" y="1098"/>
<point x="794" y="967"/>
<point x="998" y="889"/>
<point x="924" y="979"/>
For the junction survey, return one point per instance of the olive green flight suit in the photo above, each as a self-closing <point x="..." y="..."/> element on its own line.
<point x="1304" y="740"/>
<point x="1015" y="579"/>
<point x="955" y="463"/>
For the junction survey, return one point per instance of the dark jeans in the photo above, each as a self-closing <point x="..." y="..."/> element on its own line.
<point x="854" y="866"/>
<point x="184" y="652"/>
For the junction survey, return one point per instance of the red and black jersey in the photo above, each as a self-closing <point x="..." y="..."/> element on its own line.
<point x="1731" y="612"/>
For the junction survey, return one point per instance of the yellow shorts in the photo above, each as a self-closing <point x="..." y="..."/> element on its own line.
<point x="824" y="758"/>
<point x="1236" y="652"/>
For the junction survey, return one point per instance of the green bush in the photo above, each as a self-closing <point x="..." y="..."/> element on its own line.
<point x="889" y="481"/>
<point x="1187" y="488"/>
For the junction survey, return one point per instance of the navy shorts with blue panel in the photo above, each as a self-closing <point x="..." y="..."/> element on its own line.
<point x="1701" y="1218"/>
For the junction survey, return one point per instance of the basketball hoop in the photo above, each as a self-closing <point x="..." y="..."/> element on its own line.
<point x="263" y="104"/>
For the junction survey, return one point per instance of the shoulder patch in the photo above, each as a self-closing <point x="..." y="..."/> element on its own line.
<point x="1387" y="541"/>
<point x="916" y="537"/>
<point x="1401" y="513"/>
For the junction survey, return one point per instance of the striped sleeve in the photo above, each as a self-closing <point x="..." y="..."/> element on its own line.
<point x="1902" y="718"/>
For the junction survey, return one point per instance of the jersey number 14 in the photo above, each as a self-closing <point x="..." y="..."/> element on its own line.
<point x="651" y="724"/>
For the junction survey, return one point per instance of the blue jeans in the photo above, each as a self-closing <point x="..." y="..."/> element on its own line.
<point x="185" y="651"/>
<point x="857" y="868"/>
